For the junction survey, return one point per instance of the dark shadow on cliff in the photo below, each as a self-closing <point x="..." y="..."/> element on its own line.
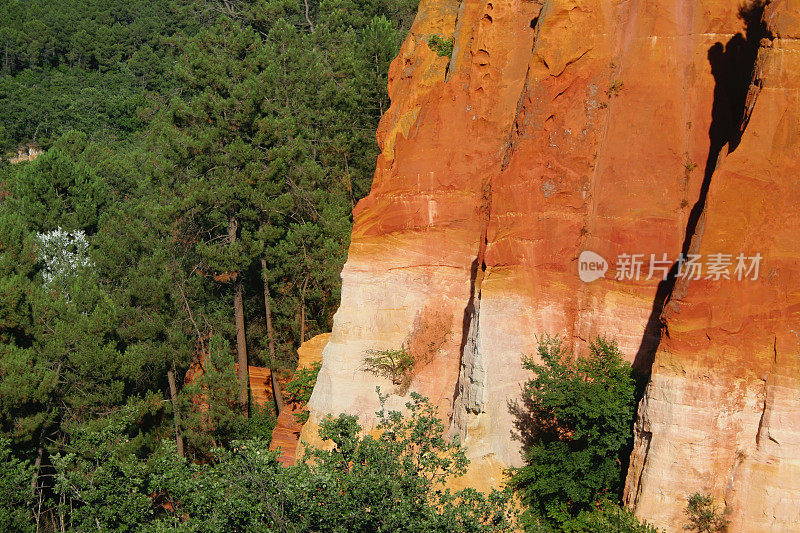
<point x="526" y="424"/>
<point x="732" y="66"/>
<point x="470" y="308"/>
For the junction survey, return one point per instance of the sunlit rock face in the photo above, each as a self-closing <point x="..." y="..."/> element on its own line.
<point x="722" y="412"/>
<point x="566" y="126"/>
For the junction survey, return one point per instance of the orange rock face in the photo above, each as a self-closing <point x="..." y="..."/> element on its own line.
<point x="721" y="414"/>
<point x="563" y="126"/>
<point x="286" y="435"/>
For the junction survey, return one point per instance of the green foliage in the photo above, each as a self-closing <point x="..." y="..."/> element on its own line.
<point x="15" y="491"/>
<point x="393" y="364"/>
<point x="605" y="517"/>
<point x="57" y="190"/>
<point x="387" y="483"/>
<point x="89" y="66"/>
<point x="443" y="47"/>
<point x="704" y="516"/>
<point x="299" y="389"/>
<point x="101" y="477"/>
<point x="394" y="482"/>
<point x="578" y="415"/>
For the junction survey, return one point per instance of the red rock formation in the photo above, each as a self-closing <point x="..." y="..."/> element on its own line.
<point x="286" y="435"/>
<point x="721" y="414"/>
<point x="563" y="126"/>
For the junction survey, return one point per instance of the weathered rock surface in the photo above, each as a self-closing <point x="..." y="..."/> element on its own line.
<point x="722" y="412"/>
<point x="286" y="434"/>
<point x="571" y="125"/>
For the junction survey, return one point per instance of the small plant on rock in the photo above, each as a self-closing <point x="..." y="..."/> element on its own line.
<point x="614" y="89"/>
<point x="393" y="364"/>
<point x="704" y="516"/>
<point x="443" y="47"/>
<point x="298" y="391"/>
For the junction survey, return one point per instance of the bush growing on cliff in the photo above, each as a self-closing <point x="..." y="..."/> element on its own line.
<point x="578" y="420"/>
<point x="393" y="364"/>
<point x="299" y="389"/>
<point x="704" y="517"/>
<point x="443" y="47"/>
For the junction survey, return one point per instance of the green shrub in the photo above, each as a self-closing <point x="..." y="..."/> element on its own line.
<point x="443" y="47"/>
<point x="15" y="490"/>
<point x="393" y="364"/>
<point x="605" y="517"/>
<point x="578" y="416"/>
<point x="704" y="517"/>
<point x="299" y="389"/>
<point x="394" y="482"/>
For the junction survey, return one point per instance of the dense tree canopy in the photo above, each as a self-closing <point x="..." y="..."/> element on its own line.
<point x="201" y="161"/>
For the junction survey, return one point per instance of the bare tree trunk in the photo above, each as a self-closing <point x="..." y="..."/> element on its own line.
<point x="308" y="19"/>
<point x="176" y="415"/>
<point x="241" y="341"/>
<point x="303" y="311"/>
<point x="37" y="464"/>
<point x="276" y="386"/>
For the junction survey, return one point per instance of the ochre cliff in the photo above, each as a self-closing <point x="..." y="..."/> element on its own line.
<point x="613" y="126"/>
<point x="722" y="411"/>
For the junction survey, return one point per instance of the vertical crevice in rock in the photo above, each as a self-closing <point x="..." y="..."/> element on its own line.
<point x="737" y="84"/>
<point x="472" y="374"/>
<point x="735" y="90"/>
<point x="765" y="407"/>
<point x="471" y="384"/>
<point x="450" y="69"/>
<point x="647" y="436"/>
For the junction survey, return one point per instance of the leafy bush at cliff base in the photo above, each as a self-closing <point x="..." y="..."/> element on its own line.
<point x="392" y="482"/>
<point x="576" y="420"/>
<point x="608" y="516"/>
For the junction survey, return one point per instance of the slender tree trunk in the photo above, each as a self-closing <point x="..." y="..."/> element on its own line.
<point x="308" y="19"/>
<point x="303" y="311"/>
<point x="276" y="386"/>
<point x="61" y="514"/>
<point x="176" y="415"/>
<point x="37" y="464"/>
<point x="241" y="340"/>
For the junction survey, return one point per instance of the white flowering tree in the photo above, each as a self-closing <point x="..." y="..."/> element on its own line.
<point x="65" y="254"/>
